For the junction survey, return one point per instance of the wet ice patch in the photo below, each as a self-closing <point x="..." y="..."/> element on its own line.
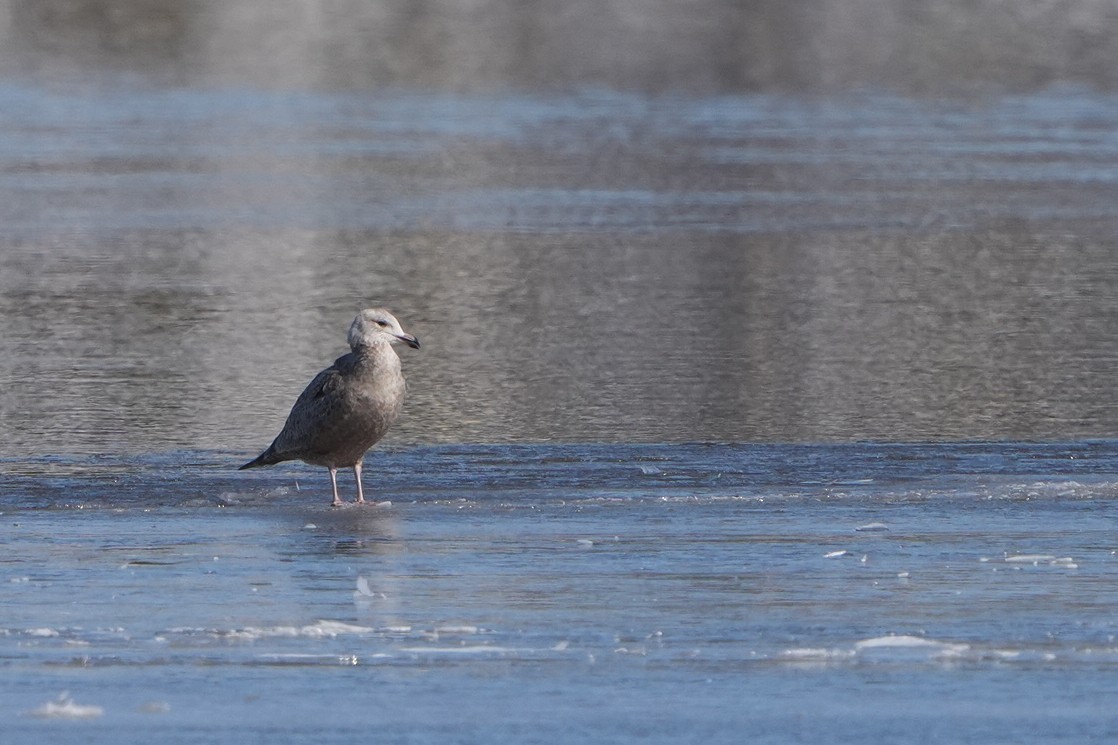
<point x="906" y="642"/>
<point x="907" y="649"/>
<point x="817" y="654"/>
<point x="41" y="632"/>
<point x="458" y="630"/>
<point x="155" y="707"/>
<point x="301" y="659"/>
<point x="64" y="707"/>
<point x="890" y="648"/>
<point x="1036" y="560"/>
<point x="1029" y="558"/>
<point x="333" y="628"/>
<point x="318" y="630"/>
<point x="466" y="650"/>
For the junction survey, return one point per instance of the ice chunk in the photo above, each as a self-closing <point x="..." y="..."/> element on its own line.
<point x="333" y="628"/>
<point x="908" y="642"/>
<point x="902" y="640"/>
<point x="317" y="630"/>
<point x="43" y="632"/>
<point x="64" y="708"/>
<point x="1029" y="558"/>
<point x="816" y="654"/>
<point x="1066" y="562"/>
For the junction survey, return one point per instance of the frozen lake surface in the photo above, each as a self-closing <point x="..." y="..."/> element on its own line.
<point x="599" y="593"/>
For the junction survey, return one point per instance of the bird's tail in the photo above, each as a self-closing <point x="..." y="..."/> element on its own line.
<point x="267" y="458"/>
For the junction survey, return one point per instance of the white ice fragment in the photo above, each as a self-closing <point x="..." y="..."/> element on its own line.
<point x="1028" y="558"/>
<point x="585" y="542"/>
<point x="457" y="630"/>
<point x="384" y="503"/>
<point x="650" y="470"/>
<point x="561" y="646"/>
<point x="41" y="632"/>
<point x="901" y="640"/>
<point x="906" y="641"/>
<point x="64" y="708"/>
<point x="809" y="653"/>
<point x="310" y="526"/>
<point x="332" y="628"/>
<point x="835" y="554"/>
<point x="902" y="575"/>
<point x="317" y="630"/>
<point x="872" y="528"/>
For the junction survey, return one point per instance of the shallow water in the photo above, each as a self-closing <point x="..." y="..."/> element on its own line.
<point x="585" y="267"/>
<point x="863" y="592"/>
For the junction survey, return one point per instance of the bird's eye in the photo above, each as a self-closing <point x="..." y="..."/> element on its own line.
<point x="382" y="324"/>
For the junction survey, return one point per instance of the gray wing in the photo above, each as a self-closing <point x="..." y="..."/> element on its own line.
<point x="313" y="416"/>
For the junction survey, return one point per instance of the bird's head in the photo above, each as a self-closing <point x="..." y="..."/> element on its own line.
<point x="374" y="326"/>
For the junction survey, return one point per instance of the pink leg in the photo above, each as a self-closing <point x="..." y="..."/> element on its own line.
<point x="357" y="475"/>
<point x="334" y="482"/>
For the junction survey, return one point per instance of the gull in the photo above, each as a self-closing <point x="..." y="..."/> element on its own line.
<point x="348" y="406"/>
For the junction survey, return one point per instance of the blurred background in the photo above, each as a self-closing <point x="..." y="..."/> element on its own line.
<point x="610" y="220"/>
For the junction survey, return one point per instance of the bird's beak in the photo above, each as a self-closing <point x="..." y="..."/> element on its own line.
<point x="410" y="340"/>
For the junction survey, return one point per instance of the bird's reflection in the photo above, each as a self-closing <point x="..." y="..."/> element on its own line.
<point x="356" y="530"/>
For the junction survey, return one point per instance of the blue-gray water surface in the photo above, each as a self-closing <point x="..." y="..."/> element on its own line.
<point x="766" y="393"/>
